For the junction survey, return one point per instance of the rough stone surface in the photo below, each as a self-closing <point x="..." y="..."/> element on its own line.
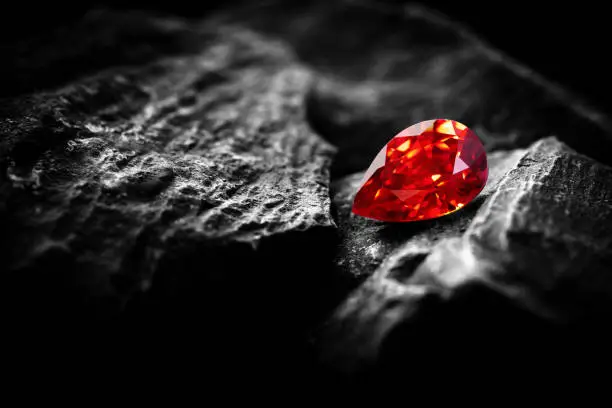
<point x="533" y="252"/>
<point x="116" y="176"/>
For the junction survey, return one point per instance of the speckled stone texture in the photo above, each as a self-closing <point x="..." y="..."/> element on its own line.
<point x="190" y="183"/>
<point x="118" y="172"/>
<point x="157" y="184"/>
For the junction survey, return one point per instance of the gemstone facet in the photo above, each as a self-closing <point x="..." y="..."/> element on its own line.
<point x="426" y="171"/>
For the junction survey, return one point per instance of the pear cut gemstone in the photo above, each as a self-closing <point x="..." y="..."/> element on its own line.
<point x="426" y="171"/>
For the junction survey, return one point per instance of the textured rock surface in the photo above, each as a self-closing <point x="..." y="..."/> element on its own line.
<point x="191" y="160"/>
<point x="534" y="251"/>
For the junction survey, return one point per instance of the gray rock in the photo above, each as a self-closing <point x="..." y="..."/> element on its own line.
<point x="185" y="162"/>
<point x="538" y="249"/>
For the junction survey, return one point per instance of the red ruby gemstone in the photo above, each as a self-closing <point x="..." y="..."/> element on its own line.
<point x="426" y="171"/>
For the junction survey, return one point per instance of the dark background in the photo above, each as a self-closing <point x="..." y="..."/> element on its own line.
<point x="567" y="42"/>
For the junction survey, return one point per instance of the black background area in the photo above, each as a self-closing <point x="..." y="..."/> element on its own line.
<point x="566" y="42"/>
